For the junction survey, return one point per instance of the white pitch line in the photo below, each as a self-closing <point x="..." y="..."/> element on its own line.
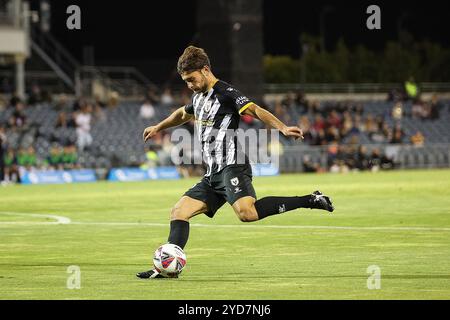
<point x="59" y="219"/>
<point x="144" y="224"/>
<point x="65" y="220"/>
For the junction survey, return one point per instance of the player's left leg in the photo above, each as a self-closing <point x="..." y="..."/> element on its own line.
<point x="242" y="196"/>
<point x="249" y="209"/>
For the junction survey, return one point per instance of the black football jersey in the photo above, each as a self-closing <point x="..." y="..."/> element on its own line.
<point x="217" y="115"/>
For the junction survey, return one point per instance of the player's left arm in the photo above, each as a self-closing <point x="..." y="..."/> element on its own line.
<point x="270" y="120"/>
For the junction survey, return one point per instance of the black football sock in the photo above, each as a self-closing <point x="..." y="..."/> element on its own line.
<point x="274" y="205"/>
<point x="179" y="232"/>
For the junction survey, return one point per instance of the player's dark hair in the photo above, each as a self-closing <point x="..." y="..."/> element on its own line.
<point x="193" y="58"/>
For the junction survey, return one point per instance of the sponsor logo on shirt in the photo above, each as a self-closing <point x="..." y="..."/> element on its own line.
<point x="242" y="100"/>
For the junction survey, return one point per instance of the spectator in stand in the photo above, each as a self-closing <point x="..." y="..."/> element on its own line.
<point x="319" y="123"/>
<point x="113" y="100"/>
<point x="319" y="138"/>
<point x="347" y="124"/>
<point x="27" y="159"/>
<point x="380" y="161"/>
<point x="83" y="123"/>
<point x="11" y="168"/>
<point x="63" y="121"/>
<point x="147" y="110"/>
<point x="54" y="160"/>
<point x="356" y="128"/>
<point x="435" y="108"/>
<point x="78" y="104"/>
<point x="375" y="160"/>
<point x="301" y="102"/>
<point x="381" y="135"/>
<point x="418" y="139"/>
<point x="397" y="111"/>
<point x="394" y="95"/>
<point x="34" y="96"/>
<point x="151" y="158"/>
<point x="61" y="103"/>
<point x="288" y="102"/>
<point x="362" y="158"/>
<point x="14" y="100"/>
<point x="411" y="89"/>
<point x="69" y="157"/>
<point x="386" y="162"/>
<point x="417" y="110"/>
<point x="332" y="134"/>
<point x="166" y="97"/>
<point x="341" y="158"/>
<point x="18" y="120"/>
<point x="334" y="120"/>
<point x="99" y="113"/>
<point x="421" y="110"/>
<point x="98" y="101"/>
<point x="281" y="113"/>
<point x="305" y="125"/>
<point x="309" y="166"/>
<point x="2" y="153"/>
<point x="370" y="126"/>
<point x="397" y="134"/>
<point x="332" y="152"/>
<point x="314" y="107"/>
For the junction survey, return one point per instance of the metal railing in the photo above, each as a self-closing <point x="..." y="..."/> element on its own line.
<point x="132" y="82"/>
<point x="405" y="156"/>
<point x="127" y="81"/>
<point x="351" y="87"/>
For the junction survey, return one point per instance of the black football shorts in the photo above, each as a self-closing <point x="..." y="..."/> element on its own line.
<point x="228" y="185"/>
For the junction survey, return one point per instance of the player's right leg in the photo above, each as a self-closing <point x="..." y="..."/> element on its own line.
<point x="182" y="211"/>
<point x="180" y="214"/>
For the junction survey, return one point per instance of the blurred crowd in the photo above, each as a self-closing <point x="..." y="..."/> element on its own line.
<point x="63" y="152"/>
<point x="20" y="157"/>
<point x="336" y="125"/>
<point x="343" y="122"/>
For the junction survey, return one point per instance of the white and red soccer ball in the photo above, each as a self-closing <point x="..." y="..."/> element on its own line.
<point x="169" y="260"/>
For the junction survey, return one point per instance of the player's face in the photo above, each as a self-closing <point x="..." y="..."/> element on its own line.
<point x="195" y="80"/>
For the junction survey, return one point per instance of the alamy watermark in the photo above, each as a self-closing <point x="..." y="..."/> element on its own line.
<point x="226" y="146"/>
<point x="74" y="20"/>
<point x="374" y="279"/>
<point x="74" y="278"/>
<point x="374" y="20"/>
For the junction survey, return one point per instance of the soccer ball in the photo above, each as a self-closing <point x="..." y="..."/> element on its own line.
<point x="169" y="260"/>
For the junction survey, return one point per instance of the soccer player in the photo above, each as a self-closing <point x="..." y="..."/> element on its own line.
<point x="217" y="105"/>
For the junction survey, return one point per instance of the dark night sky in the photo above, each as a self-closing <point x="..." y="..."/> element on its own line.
<point x="137" y="30"/>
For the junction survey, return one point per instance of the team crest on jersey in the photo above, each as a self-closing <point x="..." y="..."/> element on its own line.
<point x="234" y="181"/>
<point x="208" y="106"/>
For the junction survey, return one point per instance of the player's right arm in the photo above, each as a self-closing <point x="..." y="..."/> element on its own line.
<point x="177" y="118"/>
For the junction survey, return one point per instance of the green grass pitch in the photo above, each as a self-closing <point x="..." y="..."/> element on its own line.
<point x="398" y="221"/>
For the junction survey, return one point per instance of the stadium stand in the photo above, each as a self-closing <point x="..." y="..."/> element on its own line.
<point x="334" y="132"/>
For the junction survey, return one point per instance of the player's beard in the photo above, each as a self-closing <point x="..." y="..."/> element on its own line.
<point x="204" y="87"/>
